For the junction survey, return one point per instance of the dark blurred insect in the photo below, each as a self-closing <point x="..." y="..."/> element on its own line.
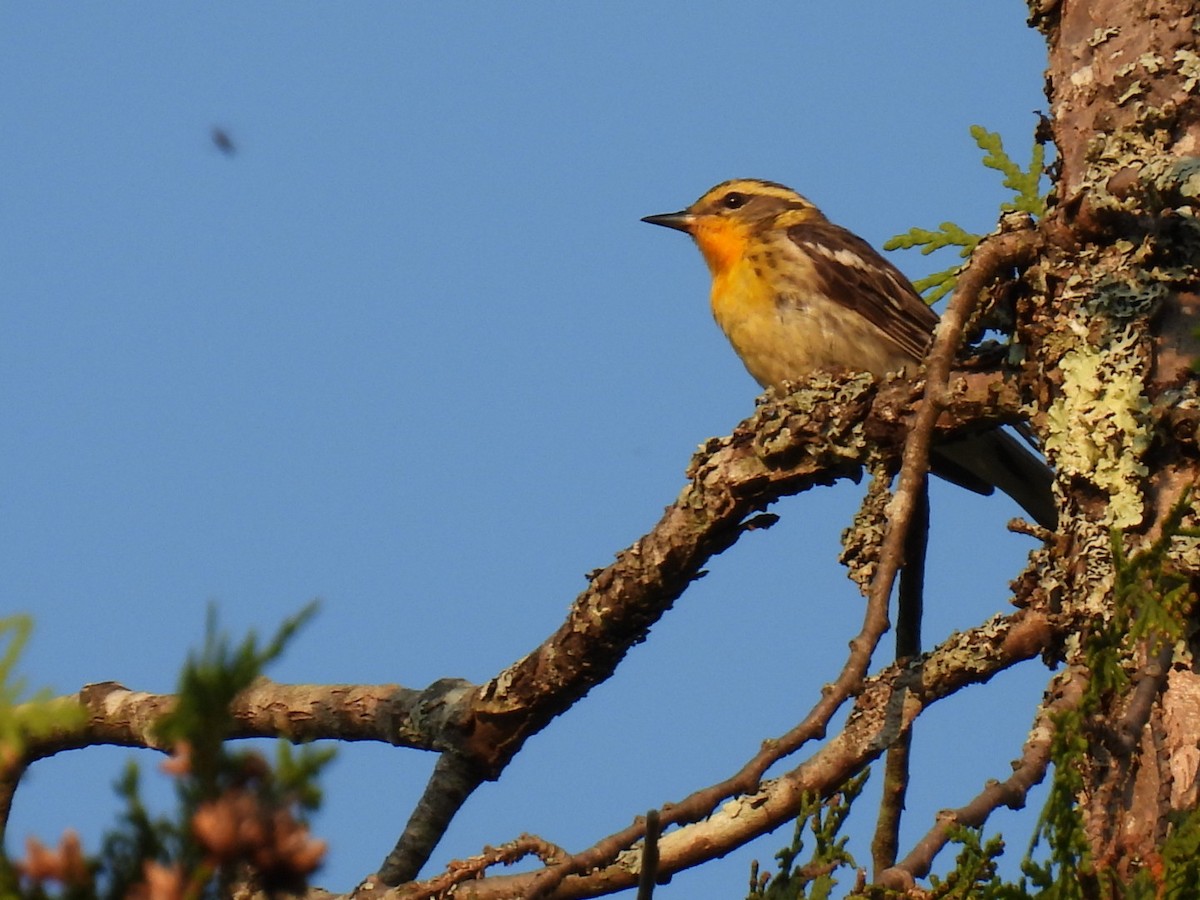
<point x="222" y="141"/>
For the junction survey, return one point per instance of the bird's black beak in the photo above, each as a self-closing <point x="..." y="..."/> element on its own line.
<point x="680" y="221"/>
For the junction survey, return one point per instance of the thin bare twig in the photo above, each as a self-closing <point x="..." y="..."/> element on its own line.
<point x="648" y="872"/>
<point x="886" y="842"/>
<point x="474" y="867"/>
<point x="1127" y="734"/>
<point x="994" y="254"/>
<point x="1028" y="771"/>
<point x="454" y="779"/>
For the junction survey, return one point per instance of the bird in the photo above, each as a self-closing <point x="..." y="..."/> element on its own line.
<point x="796" y="294"/>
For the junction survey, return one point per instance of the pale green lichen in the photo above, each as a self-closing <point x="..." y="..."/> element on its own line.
<point x="1185" y="549"/>
<point x="862" y="540"/>
<point x="1151" y="62"/>
<point x="1185" y="544"/>
<point x="1126" y="300"/>
<point x="1128" y="150"/>
<point x="784" y="413"/>
<point x="1099" y="424"/>
<point x="1183" y="177"/>
<point x="1130" y="92"/>
<point x="1095" y="548"/>
<point x="1189" y="68"/>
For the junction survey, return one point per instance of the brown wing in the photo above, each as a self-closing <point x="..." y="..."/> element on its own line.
<point x="854" y="274"/>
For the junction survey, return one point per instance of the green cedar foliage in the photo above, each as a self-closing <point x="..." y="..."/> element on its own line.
<point x="1024" y="184"/>
<point x="814" y="879"/>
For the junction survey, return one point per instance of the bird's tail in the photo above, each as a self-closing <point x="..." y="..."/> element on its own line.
<point x="995" y="459"/>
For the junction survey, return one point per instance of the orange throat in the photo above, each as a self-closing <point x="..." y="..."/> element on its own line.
<point x="721" y="241"/>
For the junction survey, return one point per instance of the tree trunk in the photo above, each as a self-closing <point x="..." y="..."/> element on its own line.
<point x="1111" y="321"/>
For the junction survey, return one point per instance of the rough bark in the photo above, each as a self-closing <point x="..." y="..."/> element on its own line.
<point x="1110" y="320"/>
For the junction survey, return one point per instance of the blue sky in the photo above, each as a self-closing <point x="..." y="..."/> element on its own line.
<point x="411" y="351"/>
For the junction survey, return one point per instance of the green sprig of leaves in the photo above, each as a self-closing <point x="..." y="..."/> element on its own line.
<point x="208" y="684"/>
<point x="1023" y="182"/>
<point x="937" y="285"/>
<point x="813" y="880"/>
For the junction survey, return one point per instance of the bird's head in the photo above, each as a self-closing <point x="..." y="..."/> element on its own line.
<point x="724" y="218"/>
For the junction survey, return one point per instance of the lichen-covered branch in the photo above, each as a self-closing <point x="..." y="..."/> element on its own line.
<point x="887" y="706"/>
<point x="387" y="713"/>
<point x="115" y="715"/>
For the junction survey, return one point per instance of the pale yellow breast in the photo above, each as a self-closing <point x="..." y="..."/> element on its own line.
<point x="783" y="333"/>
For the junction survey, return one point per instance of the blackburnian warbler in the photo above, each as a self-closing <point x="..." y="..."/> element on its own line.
<point x="795" y="294"/>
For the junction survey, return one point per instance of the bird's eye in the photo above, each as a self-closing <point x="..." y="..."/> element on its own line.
<point x="734" y="200"/>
